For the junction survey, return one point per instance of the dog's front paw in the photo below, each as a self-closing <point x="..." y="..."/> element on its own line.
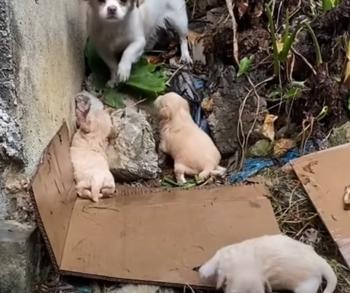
<point x="112" y="83"/>
<point x="123" y="72"/>
<point x="186" y="58"/>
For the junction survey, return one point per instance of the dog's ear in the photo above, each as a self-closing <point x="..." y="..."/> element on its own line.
<point x="165" y="113"/>
<point x="82" y="109"/>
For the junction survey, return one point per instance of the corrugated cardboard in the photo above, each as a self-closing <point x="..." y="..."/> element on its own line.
<point x="144" y="236"/>
<point x="324" y="176"/>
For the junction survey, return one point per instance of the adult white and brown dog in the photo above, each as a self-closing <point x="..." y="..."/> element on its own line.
<point x="269" y="263"/>
<point x="193" y="151"/>
<point x="122" y="28"/>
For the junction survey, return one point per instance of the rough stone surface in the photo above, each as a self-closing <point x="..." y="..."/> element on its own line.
<point x="227" y="101"/>
<point x="132" y="152"/>
<point x="17" y="257"/>
<point x="340" y="135"/>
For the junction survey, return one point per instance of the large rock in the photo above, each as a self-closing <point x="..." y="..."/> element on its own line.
<point x="18" y="257"/>
<point x="340" y="135"/>
<point x="227" y="100"/>
<point x="132" y="151"/>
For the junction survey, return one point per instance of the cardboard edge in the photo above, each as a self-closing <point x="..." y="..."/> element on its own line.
<point x="42" y="230"/>
<point x="132" y="282"/>
<point x="296" y="164"/>
<point x="129" y="191"/>
<point x="38" y="217"/>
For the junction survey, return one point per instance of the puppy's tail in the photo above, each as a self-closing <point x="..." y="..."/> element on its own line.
<point x="210" y="269"/>
<point x="330" y="277"/>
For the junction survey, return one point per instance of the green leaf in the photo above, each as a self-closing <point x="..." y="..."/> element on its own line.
<point x="113" y="98"/>
<point x="328" y="5"/>
<point x="245" y="66"/>
<point x="147" y="78"/>
<point x="349" y="103"/>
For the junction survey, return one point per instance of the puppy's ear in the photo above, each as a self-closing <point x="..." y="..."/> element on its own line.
<point x="165" y="113"/>
<point x="82" y="108"/>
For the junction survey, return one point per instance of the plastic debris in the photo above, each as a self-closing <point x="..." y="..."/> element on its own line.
<point x="253" y="166"/>
<point x="192" y="89"/>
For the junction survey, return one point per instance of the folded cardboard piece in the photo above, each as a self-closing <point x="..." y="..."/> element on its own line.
<point x="144" y="236"/>
<point x="325" y="175"/>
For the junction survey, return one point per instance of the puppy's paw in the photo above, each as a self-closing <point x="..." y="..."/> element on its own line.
<point x="123" y="72"/>
<point x="112" y="83"/>
<point x="186" y="58"/>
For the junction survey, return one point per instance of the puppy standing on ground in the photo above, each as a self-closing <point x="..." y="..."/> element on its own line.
<point x="123" y="27"/>
<point x="270" y="262"/>
<point x="88" y="151"/>
<point x="191" y="148"/>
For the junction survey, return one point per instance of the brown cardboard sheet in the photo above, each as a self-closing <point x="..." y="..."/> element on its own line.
<point x="145" y="236"/>
<point x="324" y="176"/>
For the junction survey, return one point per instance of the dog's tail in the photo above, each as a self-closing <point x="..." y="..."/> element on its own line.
<point x="330" y="277"/>
<point x="210" y="269"/>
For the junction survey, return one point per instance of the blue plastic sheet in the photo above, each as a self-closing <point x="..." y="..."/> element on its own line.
<point x="254" y="165"/>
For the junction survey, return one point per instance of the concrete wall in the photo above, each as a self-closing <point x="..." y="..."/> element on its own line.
<point x="41" y="70"/>
<point x="49" y="47"/>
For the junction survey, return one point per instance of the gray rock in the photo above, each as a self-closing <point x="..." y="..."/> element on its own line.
<point x="17" y="257"/>
<point x="132" y="151"/>
<point x="340" y="135"/>
<point x="11" y="146"/>
<point x="227" y="100"/>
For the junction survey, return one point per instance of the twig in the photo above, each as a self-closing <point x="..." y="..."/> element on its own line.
<point x="240" y="131"/>
<point x="174" y="74"/>
<point x="230" y="7"/>
<point x="305" y="60"/>
<point x="316" y="44"/>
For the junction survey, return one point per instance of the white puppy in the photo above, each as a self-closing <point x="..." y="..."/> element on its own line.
<point x="193" y="151"/>
<point x="122" y="28"/>
<point x="88" y="151"/>
<point x="270" y="262"/>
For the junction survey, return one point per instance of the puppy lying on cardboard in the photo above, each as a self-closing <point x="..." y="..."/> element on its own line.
<point x="88" y="151"/>
<point x="269" y="263"/>
<point x="193" y="151"/>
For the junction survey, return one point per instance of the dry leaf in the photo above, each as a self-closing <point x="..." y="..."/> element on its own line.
<point x="282" y="146"/>
<point x="268" y="129"/>
<point x="346" y="198"/>
<point x="279" y="44"/>
<point x="242" y="8"/>
<point x="207" y="104"/>
<point x="196" y="43"/>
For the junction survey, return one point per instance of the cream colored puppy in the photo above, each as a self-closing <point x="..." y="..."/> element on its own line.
<point x="193" y="151"/>
<point x="88" y="151"/>
<point x="270" y="262"/>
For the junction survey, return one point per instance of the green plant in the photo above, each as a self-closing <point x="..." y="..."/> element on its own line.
<point x="146" y="79"/>
<point x="330" y="4"/>
<point x="282" y="47"/>
<point x="245" y="66"/>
